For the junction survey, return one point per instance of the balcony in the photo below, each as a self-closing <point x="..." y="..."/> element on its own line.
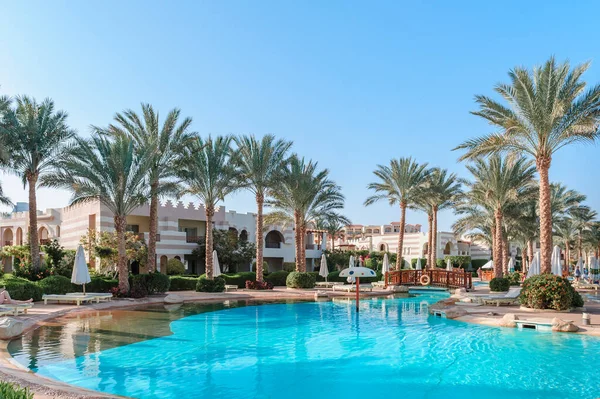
<point x="45" y="241"/>
<point x="313" y="246"/>
<point x="272" y="245"/>
<point x="194" y="239"/>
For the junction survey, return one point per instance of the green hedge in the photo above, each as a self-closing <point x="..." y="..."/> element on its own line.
<point x="413" y="263"/>
<point x="499" y="284"/>
<point x="12" y="391"/>
<point x="477" y="263"/>
<point x="56" y="285"/>
<point x="21" y="289"/>
<point x="182" y="283"/>
<point x="514" y="278"/>
<point x="215" y="285"/>
<point x="148" y="284"/>
<point x="101" y="284"/>
<point x="300" y="280"/>
<point x="277" y="278"/>
<point x="239" y="279"/>
<point x="175" y="267"/>
<point x="137" y="286"/>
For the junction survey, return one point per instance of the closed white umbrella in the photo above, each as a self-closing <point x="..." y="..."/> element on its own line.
<point x="216" y="267"/>
<point x="418" y="267"/>
<point x="511" y="265"/>
<point x="323" y="271"/>
<point x="386" y="264"/>
<point x="555" y="261"/>
<point x="448" y="265"/>
<point x="81" y="274"/>
<point x="534" y="268"/>
<point x="351" y="278"/>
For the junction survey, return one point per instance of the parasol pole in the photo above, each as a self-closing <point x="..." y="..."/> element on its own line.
<point x="357" y="291"/>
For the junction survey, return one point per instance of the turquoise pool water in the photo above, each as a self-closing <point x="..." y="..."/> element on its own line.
<point x="310" y="350"/>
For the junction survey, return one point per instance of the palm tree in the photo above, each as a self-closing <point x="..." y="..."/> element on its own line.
<point x="260" y="164"/>
<point x="36" y="136"/>
<point x="303" y="196"/>
<point x="209" y="174"/>
<point x="4" y="107"/>
<point x="565" y="230"/>
<point x="400" y="183"/>
<point x="334" y="225"/>
<point x="109" y="170"/>
<point x="165" y="143"/>
<point x="563" y="201"/>
<point x="547" y="110"/>
<point x="583" y="217"/>
<point x="442" y="189"/>
<point x="500" y="182"/>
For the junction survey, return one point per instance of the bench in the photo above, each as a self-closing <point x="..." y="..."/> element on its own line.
<point x="230" y="287"/>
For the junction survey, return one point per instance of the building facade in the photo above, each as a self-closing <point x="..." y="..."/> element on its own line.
<point x="180" y="227"/>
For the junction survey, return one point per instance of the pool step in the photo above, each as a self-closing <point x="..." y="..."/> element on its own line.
<point x="535" y="324"/>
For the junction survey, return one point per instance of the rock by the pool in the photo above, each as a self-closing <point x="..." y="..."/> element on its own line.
<point x="398" y="288"/>
<point x="10" y="328"/>
<point x="173" y="298"/>
<point x="563" y="325"/>
<point x="508" y="320"/>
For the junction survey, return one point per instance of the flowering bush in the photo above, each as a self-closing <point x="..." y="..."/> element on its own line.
<point x="514" y="278"/>
<point x="258" y="285"/>
<point x="547" y="291"/>
<point x="25" y="270"/>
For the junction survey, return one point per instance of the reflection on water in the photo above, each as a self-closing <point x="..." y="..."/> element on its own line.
<point x="80" y="334"/>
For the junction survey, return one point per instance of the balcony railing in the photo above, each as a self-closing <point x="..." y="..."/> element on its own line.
<point x="194" y="239"/>
<point x="45" y="241"/>
<point x="8" y="243"/>
<point x="272" y="245"/>
<point x="313" y="246"/>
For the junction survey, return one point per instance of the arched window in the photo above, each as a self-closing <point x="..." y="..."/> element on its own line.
<point x="274" y="239"/>
<point x="244" y="235"/>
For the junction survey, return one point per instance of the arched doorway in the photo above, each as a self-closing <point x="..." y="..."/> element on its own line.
<point x="274" y="239"/>
<point x="8" y="237"/>
<point x="19" y="238"/>
<point x="43" y="236"/>
<point x="448" y="248"/>
<point x="244" y="236"/>
<point x="383" y="247"/>
<point x="163" y="263"/>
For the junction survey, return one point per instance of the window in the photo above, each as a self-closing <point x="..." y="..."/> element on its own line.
<point x="134" y="228"/>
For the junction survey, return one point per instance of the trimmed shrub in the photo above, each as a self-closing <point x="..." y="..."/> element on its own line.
<point x="291" y="266"/>
<point x="317" y="276"/>
<point x="22" y="289"/>
<point x="499" y="284"/>
<point x="181" y="283"/>
<point x="205" y="285"/>
<point x="258" y="285"/>
<point x="13" y="391"/>
<point x="547" y="291"/>
<point x="175" y="267"/>
<point x="56" y="285"/>
<point x="239" y="279"/>
<point x="300" y="280"/>
<point x="101" y="284"/>
<point x="514" y="278"/>
<point x="138" y="286"/>
<point x="157" y="283"/>
<point x="277" y="278"/>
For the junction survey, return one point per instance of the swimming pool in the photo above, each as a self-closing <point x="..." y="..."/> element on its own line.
<point x="308" y="350"/>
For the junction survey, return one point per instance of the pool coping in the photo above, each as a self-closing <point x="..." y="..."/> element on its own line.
<point x="45" y="388"/>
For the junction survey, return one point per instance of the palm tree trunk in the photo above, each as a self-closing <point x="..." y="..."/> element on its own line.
<point x="210" y="212"/>
<point x="530" y="250"/>
<point x="153" y="228"/>
<point x="34" y="242"/>
<point x="567" y="256"/>
<point x="579" y="244"/>
<point x="505" y="254"/>
<point x="434" y="247"/>
<point x="430" y="238"/>
<point x="332" y="242"/>
<point x="498" y="244"/>
<point x="303" y="247"/>
<point x="543" y="164"/>
<point x="120" y="225"/>
<point x="260" y="199"/>
<point x="401" y="236"/>
<point x="298" y="241"/>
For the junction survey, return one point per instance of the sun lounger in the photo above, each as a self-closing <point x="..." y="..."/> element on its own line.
<point x="100" y="296"/>
<point x="511" y="297"/>
<point x="352" y="287"/>
<point x="71" y="298"/>
<point x="586" y="286"/>
<point x="327" y="284"/>
<point x="378" y="284"/>
<point x="17" y="308"/>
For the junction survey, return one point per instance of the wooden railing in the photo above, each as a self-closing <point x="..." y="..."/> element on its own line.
<point x="45" y="241"/>
<point x="437" y="278"/>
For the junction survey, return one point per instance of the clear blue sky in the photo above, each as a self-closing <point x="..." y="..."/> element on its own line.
<point x="353" y="84"/>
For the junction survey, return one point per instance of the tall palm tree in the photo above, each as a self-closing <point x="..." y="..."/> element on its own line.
<point x="500" y="182"/>
<point x="402" y="182"/>
<point x="4" y="107"/>
<point x="583" y="217"/>
<point x="209" y="174"/>
<point x="563" y="201"/>
<point x="334" y="225"/>
<point x="260" y="163"/>
<point x="304" y="195"/>
<point x="441" y="191"/>
<point x="547" y="110"/>
<point x="109" y="170"/>
<point x="565" y="230"/>
<point x="165" y="143"/>
<point x="35" y="136"/>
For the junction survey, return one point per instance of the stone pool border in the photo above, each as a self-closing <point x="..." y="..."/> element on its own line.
<point x="44" y="388"/>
